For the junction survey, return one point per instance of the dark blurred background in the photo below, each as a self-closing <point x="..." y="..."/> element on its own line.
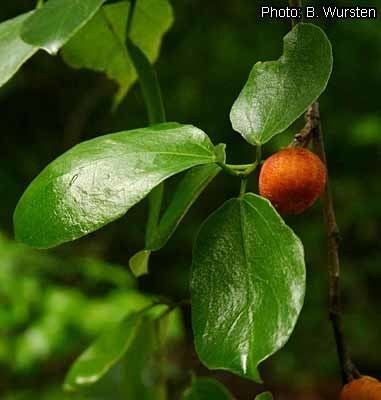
<point x="52" y="304"/>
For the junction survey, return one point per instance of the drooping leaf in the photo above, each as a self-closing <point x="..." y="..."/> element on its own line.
<point x="206" y="389"/>
<point x="143" y="365"/>
<point x="151" y="20"/>
<point x="278" y="92"/>
<point x="108" y="349"/>
<point x="187" y="192"/>
<point x="97" y="181"/>
<point x="13" y="51"/>
<point x="139" y="263"/>
<point x="53" y="24"/>
<point x="264" y="396"/>
<point x="108" y="30"/>
<point x="247" y="285"/>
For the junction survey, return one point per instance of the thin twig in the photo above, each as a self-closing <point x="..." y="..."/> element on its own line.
<point x="303" y="138"/>
<point x="348" y="370"/>
<point x="295" y="3"/>
<point x="313" y="130"/>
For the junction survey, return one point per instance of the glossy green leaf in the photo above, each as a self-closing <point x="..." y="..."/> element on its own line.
<point x="108" y="30"/>
<point x="247" y="285"/>
<point x="187" y="192"/>
<point x="278" y="92"/>
<point x="139" y="263"/>
<point x="53" y="24"/>
<point x="13" y="51"/>
<point x="108" y="349"/>
<point x="206" y="389"/>
<point x="97" y="181"/>
<point x="264" y="396"/>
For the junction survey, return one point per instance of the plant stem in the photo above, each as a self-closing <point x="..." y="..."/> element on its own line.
<point x="348" y="370"/>
<point x="39" y="4"/>
<point x="242" y="190"/>
<point x="313" y="130"/>
<point x="152" y="95"/>
<point x="294" y="3"/>
<point x="243" y="170"/>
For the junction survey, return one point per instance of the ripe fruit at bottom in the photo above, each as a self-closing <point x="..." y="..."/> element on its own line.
<point x="292" y="179"/>
<point x="365" y="388"/>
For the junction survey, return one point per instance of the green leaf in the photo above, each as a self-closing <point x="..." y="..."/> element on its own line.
<point x="98" y="181"/>
<point x="143" y="366"/>
<point x="107" y="29"/>
<point x="108" y="349"/>
<point x="151" y="20"/>
<point x="278" y="92"/>
<point x="188" y="191"/>
<point x="264" y="396"/>
<point x="52" y="25"/>
<point x="139" y="263"/>
<point x="247" y="285"/>
<point x="13" y="51"/>
<point x="206" y="389"/>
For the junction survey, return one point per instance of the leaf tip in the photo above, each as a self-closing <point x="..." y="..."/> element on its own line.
<point x="139" y="263"/>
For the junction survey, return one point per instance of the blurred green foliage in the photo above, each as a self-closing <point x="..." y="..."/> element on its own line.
<point x="54" y="303"/>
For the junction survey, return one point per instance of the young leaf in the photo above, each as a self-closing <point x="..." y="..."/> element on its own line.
<point x="97" y="181"/>
<point x="108" y="349"/>
<point x="206" y="389"/>
<point x="189" y="189"/>
<point x="139" y="263"/>
<point x="13" y="51"/>
<point x="247" y="285"/>
<point x="278" y="92"/>
<point x="53" y="24"/>
<point x="264" y="396"/>
<point x="107" y="29"/>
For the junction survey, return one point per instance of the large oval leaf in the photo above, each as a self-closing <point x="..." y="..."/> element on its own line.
<point x="13" y="51"/>
<point x="278" y="92"/>
<point x="248" y="283"/>
<point x="52" y="25"/>
<point x="206" y="389"/>
<point x="97" y="181"/>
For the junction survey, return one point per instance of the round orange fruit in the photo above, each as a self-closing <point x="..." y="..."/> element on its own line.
<point x="292" y="179"/>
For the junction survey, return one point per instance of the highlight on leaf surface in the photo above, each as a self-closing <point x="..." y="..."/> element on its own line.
<point x="247" y="285"/>
<point x="278" y="92"/>
<point x="99" y="180"/>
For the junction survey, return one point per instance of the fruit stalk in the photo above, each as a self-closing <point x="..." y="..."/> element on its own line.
<point x="348" y="370"/>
